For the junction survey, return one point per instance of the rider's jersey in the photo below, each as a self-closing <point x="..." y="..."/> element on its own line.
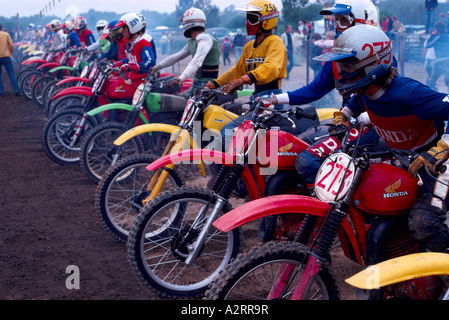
<point x="73" y="40"/>
<point x="59" y="40"/>
<point x="139" y="52"/>
<point x="265" y="64"/>
<point x="205" y="54"/>
<point x="86" y="37"/>
<point x="409" y="115"/>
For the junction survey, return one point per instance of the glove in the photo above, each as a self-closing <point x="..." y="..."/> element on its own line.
<point x="173" y="83"/>
<point x="270" y="100"/>
<point x="211" y="85"/>
<point x="130" y="67"/>
<point x="118" y="64"/>
<point x="432" y="158"/>
<point x="231" y="86"/>
<point x="339" y="120"/>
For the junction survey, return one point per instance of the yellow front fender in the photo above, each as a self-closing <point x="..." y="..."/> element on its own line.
<point x="147" y="128"/>
<point x="401" y="269"/>
<point x="161" y="127"/>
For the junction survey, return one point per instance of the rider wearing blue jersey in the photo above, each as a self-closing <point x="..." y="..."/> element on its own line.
<point x="406" y="114"/>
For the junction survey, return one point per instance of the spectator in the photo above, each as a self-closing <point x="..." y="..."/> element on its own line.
<point x="316" y="51"/>
<point x="287" y="39"/>
<point x="164" y="41"/>
<point x="385" y="20"/>
<point x="327" y="43"/>
<point x="442" y="18"/>
<point x="239" y="43"/>
<point x="297" y="46"/>
<point x="429" y="54"/>
<point x="6" y="49"/>
<point x="226" y="47"/>
<point x="441" y="44"/>
<point x="430" y="6"/>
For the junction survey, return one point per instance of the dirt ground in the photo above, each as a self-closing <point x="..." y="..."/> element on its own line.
<point x="48" y="222"/>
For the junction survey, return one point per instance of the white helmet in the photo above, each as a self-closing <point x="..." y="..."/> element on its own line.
<point x="192" y="18"/>
<point x="359" y="11"/>
<point x="362" y="50"/>
<point x="55" y="25"/>
<point x="101" y="24"/>
<point x="134" y="21"/>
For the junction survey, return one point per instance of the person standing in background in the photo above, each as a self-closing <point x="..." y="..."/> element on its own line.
<point x="430" y="6"/>
<point x="288" y="42"/>
<point x="6" y="49"/>
<point x="239" y="43"/>
<point x="326" y="17"/>
<point x="226" y="47"/>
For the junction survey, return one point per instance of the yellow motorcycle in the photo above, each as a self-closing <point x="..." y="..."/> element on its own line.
<point x="409" y="273"/>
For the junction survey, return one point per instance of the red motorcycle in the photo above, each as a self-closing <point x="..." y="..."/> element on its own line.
<point x="172" y="246"/>
<point x="362" y="198"/>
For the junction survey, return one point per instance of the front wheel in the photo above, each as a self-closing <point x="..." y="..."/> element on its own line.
<point x="271" y="271"/>
<point x="98" y="149"/>
<point x="162" y="235"/>
<point x="62" y="133"/>
<point x="120" y="194"/>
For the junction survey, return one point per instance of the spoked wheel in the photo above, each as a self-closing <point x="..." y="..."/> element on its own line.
<point x="60" y="140"/>
<point x="271" y="271"/>
<point x="37" y="91"/>
<point x="27" y="83"/>
<point x="161" y="238"/>
<point x="98" y="149"/>
<point x="121" y="192"/>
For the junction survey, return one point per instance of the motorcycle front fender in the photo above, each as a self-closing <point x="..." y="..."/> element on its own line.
<point x="268" y="206"/>
<point x="244" y="93"/>
<point x="73" y="79"/>
<point x="401" y="269"/>
<point x="33" y="60"/>
<point x="115" y="106"/>
<point x="50" y="65"/>
<point x="83" y="91"/>
<point x="61" y="68"/>
<point x="111" y="106"/>
<point x="201" y="155"/>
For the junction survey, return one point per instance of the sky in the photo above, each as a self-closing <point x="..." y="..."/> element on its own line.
<point x="10" y="8"/>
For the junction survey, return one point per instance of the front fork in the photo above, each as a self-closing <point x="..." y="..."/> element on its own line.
<point x="79" y="127"/>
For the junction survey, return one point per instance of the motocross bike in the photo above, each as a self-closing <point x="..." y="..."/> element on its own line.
<point x="363" y="199"/>
<point x="28" y="80"/>
<point x="62" y="132"/>
<point x="97" y="150"/>
<point x="127" y="185"/>
<point x="172" y="246"/>
<point x="400" y="271"/>
<point x="44" y="88"/>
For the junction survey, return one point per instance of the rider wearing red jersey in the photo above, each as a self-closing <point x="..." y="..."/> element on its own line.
<point x="86" y="36"/>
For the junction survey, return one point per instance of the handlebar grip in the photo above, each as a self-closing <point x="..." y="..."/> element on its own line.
<point x="299" y="113"/>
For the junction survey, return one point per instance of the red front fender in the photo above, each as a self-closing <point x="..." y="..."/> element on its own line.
<point x="268" y="206"/>
<point x="50" y="65"/>
<point x="84" y="91"/>
<point x="192" y="155"/>
<point x="73" y="79"/>
<point x="255" y="188"/>
<point x="31" y="61"/>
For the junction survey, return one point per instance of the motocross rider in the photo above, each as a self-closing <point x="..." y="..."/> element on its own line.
<point x="201" y="46"/>
<point x="86" y="36"/>
<point x="263" y="61"/>
<point x="73" y="40"/>
<point x="407" y="115"/>
<point x="140" y="55"/>
<point x="59" y="40"/>
<point x="346" y="13"/>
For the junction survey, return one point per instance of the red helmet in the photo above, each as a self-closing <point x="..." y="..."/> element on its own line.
<point x="80" y="23"/>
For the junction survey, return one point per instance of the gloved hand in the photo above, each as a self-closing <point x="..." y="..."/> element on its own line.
<point x="118" y="64"/>
<point x="130" y="67"/>
<point x="270" y="100"/>
<point x="210" y="85"/>
<point x="231" y="86"/>
<point x="174" y="82"/>
<point x="432" y="158"/>
<point x="339" y="120"/>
